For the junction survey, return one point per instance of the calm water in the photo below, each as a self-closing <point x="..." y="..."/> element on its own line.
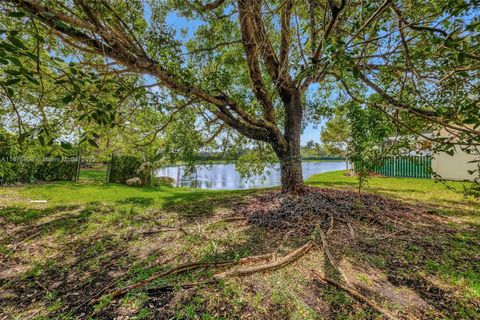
<point x="226" y="177"/>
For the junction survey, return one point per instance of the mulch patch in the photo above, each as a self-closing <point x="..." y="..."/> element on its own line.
<point x="276" y="211"/>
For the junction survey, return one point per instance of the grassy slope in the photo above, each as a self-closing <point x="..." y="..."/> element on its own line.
<point x="89" y="231"/>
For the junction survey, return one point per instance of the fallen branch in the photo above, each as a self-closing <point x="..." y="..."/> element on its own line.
<point x="357" y="295"/>
<point x="184" y="268"/>
<point x="275" y="264"/>
<point x="25" y="240"/>
<point x="177" y="270"/>
<point x="352" y="231"/>
<point x="231" y="219"/>
<point x="164" y="229"/>
<point x="181" y="285"/>
<point x="327" y="251"/>
<point x="330" y="225"/>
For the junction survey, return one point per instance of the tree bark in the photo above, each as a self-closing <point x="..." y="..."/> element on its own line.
<point x="289" y="155"/>
<point x="291" y="174"/>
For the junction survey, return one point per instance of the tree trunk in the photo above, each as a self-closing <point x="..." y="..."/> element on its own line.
<point x="291" y="174"/>
<point x="289" y="153"/>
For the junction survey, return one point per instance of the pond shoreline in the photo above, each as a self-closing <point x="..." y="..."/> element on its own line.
<point x="202" y="163"/>
<point x="225" y="176"/>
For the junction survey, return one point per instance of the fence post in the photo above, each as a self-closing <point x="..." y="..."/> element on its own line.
<point x="77" y="172"/>
<point x="109" y="168"/>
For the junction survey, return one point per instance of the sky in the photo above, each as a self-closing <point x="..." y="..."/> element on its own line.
<point x="311" y="132"/>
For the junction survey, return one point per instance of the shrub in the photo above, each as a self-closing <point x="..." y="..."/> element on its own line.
<point x="27" y="164"/>
<point x="134" y="182"/>
<point x="163" y="181"/>
<point x="57" y="170"/>
<point x="123" y="167"/>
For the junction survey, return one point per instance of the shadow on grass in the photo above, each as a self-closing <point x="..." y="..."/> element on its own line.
<point x="200" y="205"/>
<point x="21" y="215"/>
<point x="139" y="201"/>
<point x="94" y="264"/>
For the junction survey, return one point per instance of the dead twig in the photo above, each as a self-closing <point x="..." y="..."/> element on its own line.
<point x="25" y="240"/>
<point x="232" y="219"/>
<point x="182" y="285"/>
<point x="327" y="250"/>
<point x="165" y="229"/>
<point x="357" y="295"/>
<point x="330" y="224"/>
<point x="352" y="231"/>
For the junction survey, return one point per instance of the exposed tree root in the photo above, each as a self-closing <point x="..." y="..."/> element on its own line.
<point x="184" y="268"/>
<point x="352" y="231"/>
<point x="329" y="255"/>
<point x="177" y="270"/>
<point x="330" y="224"/>
<point x="357" y="295"/>
<point x="275" y="264"/>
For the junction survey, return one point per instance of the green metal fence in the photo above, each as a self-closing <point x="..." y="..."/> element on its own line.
<point x="404" y="167"/>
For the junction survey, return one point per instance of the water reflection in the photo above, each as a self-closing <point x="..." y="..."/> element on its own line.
<point x="226" y="177"/>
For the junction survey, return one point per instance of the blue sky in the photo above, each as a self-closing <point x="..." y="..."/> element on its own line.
<point x="311" y="132"/>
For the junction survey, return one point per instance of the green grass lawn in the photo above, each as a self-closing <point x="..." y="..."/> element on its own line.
<point x="98" y="173"/>
<point x="91" y="237"/>
<point x="447" y="195"/>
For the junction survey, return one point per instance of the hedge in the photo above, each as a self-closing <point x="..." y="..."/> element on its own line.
<point x="124" y="167"/>
<point x="18" y="170"/>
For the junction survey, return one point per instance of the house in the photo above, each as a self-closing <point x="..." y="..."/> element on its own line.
<point x="456" y="166"/>
<point x="423" y="161"/>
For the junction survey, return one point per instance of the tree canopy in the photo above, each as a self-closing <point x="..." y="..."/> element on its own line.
<point x="257" y="69"/>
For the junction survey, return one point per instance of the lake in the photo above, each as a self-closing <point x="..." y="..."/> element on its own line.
<point x="226" y="177"/>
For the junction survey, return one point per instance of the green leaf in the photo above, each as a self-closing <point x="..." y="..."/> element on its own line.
<point x="67" y="99"/>
<point x="12" y="81"/>
<point x="66" y="145"/>
<point x="47" y="14"/>
<point x="17" y="14"/>
<point x="13" y="72"/>
<point x="10" y="92"/>
<point x="32" y="79"/>
<point x="61" y="81"/>
<point x="93" y="143"/>
<point x="8" y="47"/>
<point x="16" y="42"/>
<point x="62" y="24"/>
<point x="40" y="38"/>
<point x="41" y="139"/>
<point x="31" y="56"/>
<point x="356" y="72"/>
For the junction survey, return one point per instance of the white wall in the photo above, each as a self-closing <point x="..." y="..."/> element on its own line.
<point x="454" y="167"/>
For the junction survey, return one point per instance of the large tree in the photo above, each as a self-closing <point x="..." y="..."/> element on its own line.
<point x="253" y="65"/>
<point x="336" y="134"/>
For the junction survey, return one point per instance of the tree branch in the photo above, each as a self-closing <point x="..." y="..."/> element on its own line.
<point x="125" y="53"/>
